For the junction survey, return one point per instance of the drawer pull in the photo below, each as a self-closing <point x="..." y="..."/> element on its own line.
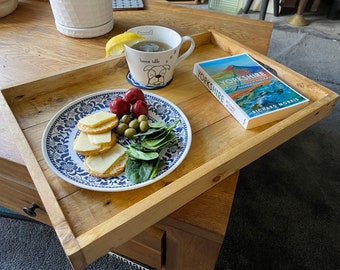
<point x="31" y="210"/>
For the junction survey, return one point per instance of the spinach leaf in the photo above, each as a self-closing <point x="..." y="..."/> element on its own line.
<point x="155" y="129"/>
<point x="159" y="124"/>
<point x="156" y="167"/>
<point x="149" y="132"/>
<point x="138" y="154"/>
<point x="155" y="145"/>
<point x="144" y="161"/>
<point x="138" y="171"/>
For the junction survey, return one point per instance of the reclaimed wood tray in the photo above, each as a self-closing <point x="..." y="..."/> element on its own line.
<point x="89" y="223"/>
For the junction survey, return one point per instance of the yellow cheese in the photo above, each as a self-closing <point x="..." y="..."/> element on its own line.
<point x="100" y="138"/>
<point x="83" y="143"/>
<point x="103" y="162"/>
<point x="97" y="119"/>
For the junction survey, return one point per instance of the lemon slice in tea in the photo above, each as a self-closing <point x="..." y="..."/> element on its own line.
<point x="115" y="46"/>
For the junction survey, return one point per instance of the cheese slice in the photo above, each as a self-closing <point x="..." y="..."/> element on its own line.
<point x="103" y="162"/>
<point x="100" y="138"/>
<point x="97" y="119"/>
<point x="83" y="143"/>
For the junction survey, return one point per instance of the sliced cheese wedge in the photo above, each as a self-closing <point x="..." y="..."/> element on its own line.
<point x="97" y="119"/>
<point x="100" y="138"/>
<point x="101" y="163"/>
<point x="83" y="143"/>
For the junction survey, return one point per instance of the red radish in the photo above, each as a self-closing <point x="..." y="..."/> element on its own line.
<point x="133" y="94"/>
<point x="120" y="107"/>
<point x="139" y="108"/>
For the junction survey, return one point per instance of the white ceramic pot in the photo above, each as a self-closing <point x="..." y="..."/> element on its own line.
<point x="7" y="7"/>
<point x="83" y="18"/>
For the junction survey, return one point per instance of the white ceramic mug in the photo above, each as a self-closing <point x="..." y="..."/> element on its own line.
<point x="153" y="70"/>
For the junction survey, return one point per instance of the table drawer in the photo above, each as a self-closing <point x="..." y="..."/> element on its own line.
<point x="16" y="192"/>
<point x="147" y="248"/>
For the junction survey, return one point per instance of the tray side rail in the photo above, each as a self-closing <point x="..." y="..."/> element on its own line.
<point x="53" y="209"/>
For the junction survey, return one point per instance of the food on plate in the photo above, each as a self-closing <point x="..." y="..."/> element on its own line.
<point x="139" y="108"/>
<point x="120" y="129"/>
<point x="105" y="158"/>
<point x="109" y="164"/>
<point x="133" y="102"/>
<point x="125" y="119"/>
<point x="134" y="124"/>
<point x="130" y="132"/>
<point x="115" y="45"/>
<point x="97" y="123"/>
<point x="133" y="94"/>
<point x="142" y="117"/>
<point x="120" y="107"/>
<point x="144" y="160"/>
<point x="94" y="144"/>
<point x="131" y="126"/>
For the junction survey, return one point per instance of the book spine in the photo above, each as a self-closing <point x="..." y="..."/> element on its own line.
<point x="221" y="96"/>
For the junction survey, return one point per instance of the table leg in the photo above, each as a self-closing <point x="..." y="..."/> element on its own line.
<point x="189" y="238"/>
<point x="195" y="232"/>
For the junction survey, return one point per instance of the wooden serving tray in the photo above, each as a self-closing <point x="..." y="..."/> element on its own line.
<point x="89" y="223"/>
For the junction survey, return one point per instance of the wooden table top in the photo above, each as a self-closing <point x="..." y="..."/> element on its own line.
<point x="42" y="71"/>
<point x="31" y="46"/>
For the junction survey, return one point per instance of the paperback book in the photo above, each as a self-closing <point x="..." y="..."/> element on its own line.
<point x="249" y="91"/>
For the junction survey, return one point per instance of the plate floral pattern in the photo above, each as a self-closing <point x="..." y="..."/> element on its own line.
<point x="61" y="131"/>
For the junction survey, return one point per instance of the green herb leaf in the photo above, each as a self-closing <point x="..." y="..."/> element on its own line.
<point x="138" y="171"/>
<point x="137" y="154"/>
<point x="156" y="167"/>
<point x="144" y="161"/>
<point x="157" y="125"/>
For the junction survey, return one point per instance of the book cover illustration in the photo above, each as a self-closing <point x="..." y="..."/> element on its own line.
<point x="252" y="87"/>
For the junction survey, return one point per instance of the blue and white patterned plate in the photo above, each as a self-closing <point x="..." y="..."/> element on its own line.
<point x="59" y="135"/>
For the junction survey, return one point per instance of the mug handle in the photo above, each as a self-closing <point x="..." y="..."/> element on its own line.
<point x="188" y="51"/>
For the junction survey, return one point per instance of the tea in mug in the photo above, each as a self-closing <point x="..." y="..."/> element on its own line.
<point x="151" y="46"/>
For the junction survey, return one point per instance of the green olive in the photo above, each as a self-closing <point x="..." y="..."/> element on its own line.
<point x="125" y="119"/>
<point x="130" y="132"/>
<point x="134" y="124"/>
<point x="143" y="126"/>
<point x="142" y="117"/>
<point x="121" y="128"/>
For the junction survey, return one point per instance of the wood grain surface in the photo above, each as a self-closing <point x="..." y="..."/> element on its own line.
<point x="31" y="46"/>
<point x="90" y="223"/>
